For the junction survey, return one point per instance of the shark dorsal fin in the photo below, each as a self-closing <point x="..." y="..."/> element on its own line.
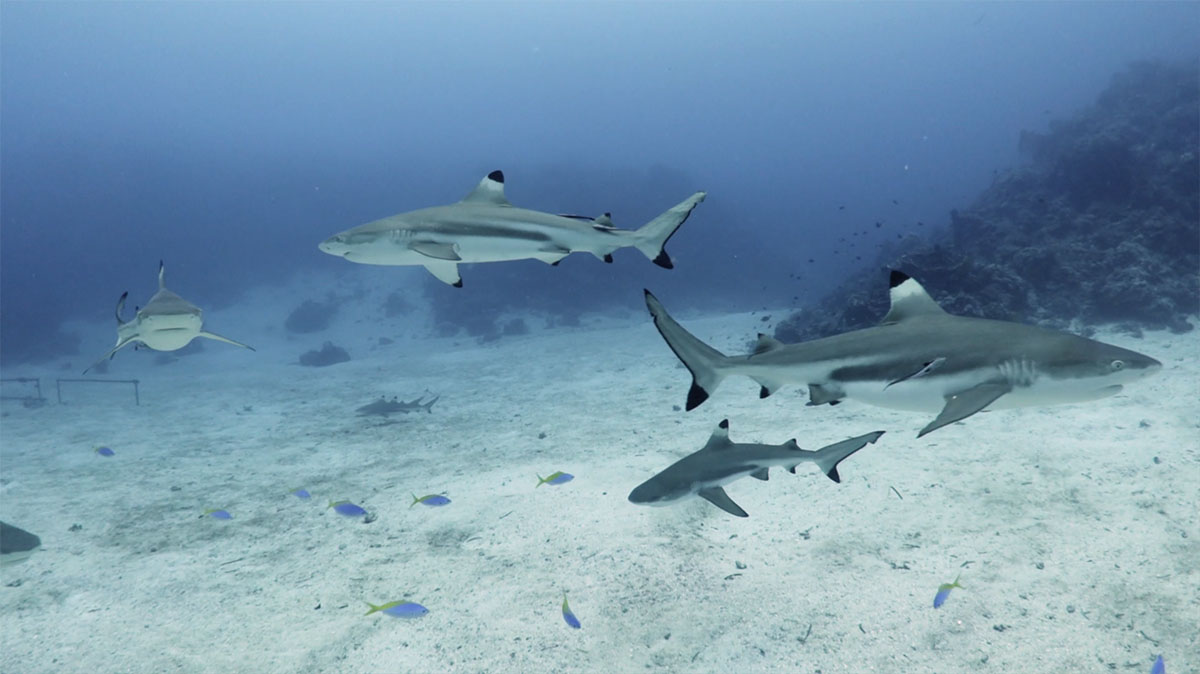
<point x="909" y="300"/>
<point x="720" y="438"/>
<point x="766" y="343"/>
<point x="161" y="271"/>
<point x="490" y="190"/>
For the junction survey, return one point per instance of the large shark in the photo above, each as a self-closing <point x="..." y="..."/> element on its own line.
<point x="167" y="323"/>
<point x="922" y="359"/>
<point x="485" y="227"/>
<point x="720" y="461"/>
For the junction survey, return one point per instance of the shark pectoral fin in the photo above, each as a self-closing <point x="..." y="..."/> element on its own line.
<point x="436" y="250"/>
<point x="209" y="335"/>
<point x="112" y="352"/>
<point x="965" y="403"/>
<point x="760" y="474"/>
<point x="718" y="497"/>
<point x="821" y="394"/>
<point x="828" y="457"/>
<point x="446" y="272"/>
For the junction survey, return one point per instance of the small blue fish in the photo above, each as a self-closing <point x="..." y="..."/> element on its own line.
<point x="219" y="513"/>
<point x="556" y="478"/>
<point x="105" y="451"/>
<point x="301" y="493"/>
<point x="568" y="616"/>
<point x="430" y="500"/>
<point x="347" y="508"/>
<point x="399" y="609"/>
<point x="943" y="592"/>
<point x="1159" y="667"/>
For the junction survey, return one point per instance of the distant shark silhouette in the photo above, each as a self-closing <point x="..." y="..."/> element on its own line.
<point x="485" y="227"/>
<point x="384" y="407"/>
<point x="167" y="323"/>
<point x="720" y="461"/>
<point x="920" y="358"/>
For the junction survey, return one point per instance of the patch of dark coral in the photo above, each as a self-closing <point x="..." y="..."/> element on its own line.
<point x="311" y="316"/>
<point x="327" y="355"/>
<point x="1103" y="226"/>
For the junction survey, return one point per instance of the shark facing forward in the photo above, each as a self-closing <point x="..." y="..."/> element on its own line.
<point x="705" y="472"/>
<point x="167" y="323"/>
<point x="485" y="227"/>
<point x="922" y="359"/>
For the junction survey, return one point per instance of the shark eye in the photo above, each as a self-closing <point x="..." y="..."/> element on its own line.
<point x="1118" y="365"/>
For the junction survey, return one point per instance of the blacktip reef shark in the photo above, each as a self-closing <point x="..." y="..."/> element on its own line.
<point x="167" y="323"/>
<point x="922" y="359"/>
<point x="705" y="472"/>
<point x="485" y="227"/>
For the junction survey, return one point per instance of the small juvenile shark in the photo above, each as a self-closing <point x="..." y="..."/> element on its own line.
<point x="167" y="323"/>
<point x="485" y="227"/>
<point x="384" y="407"/>
<point x="922" y="359"/>
<point x="721" y="461"/>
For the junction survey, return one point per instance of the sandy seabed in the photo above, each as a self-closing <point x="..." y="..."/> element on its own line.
<point x="1074" y="528"/>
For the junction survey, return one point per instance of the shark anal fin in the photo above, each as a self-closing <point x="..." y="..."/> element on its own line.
<point x="718" y="497"/>
<point x="819" y="394"/>
<point x="965" y="403"/>
<point x="436" y="250"/>
<point x="446" y="272"/>
<point x="760" y="474"/>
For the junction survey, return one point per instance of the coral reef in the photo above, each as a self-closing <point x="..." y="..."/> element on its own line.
<point x="311" y="316"/>
<point x="1103" y="224"/>
<point x="328" y="355"/>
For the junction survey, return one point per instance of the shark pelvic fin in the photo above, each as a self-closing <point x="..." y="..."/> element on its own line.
<point x="965" y="403"/>
<point x="718" y="497"/>
<point x="490" y="190"/>
<point x="909" y="300"/>
<point x="820" y="394"/>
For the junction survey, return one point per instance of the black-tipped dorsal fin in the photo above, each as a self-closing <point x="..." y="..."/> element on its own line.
<point x="161" y="271"/>
<point x="490" y="190"/>
<point x="720" y="437"/>
<point x="909" y="300"/>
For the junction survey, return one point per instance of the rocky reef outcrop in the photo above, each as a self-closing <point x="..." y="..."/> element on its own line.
<point x="1102" y="225"/>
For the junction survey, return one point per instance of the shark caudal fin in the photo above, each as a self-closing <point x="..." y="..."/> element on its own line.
<point x="828" y="458"/>
<point x="704" y="362"/>
<point x="651" y="238"/>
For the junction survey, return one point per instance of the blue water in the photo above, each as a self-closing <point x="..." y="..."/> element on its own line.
<point x="228" y="140"/>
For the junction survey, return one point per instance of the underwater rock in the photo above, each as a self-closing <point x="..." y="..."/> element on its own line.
<point x="1101" y="226"/>
<point x="328" y="355"/>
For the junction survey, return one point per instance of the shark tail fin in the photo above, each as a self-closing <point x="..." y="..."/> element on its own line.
<point x="707" y="365"/>
<point x="828" y="458"/>
<point x="651" y="238"/>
